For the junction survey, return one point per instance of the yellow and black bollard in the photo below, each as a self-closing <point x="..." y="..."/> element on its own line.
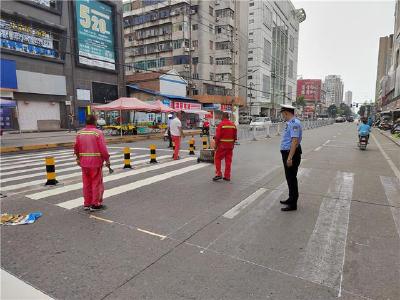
<point x="153" y="155"/>
<point x="127" y="158"/>
<point x="50" y="171"/>
<point x="191" y="146"/>
<point x="205" y="143"/>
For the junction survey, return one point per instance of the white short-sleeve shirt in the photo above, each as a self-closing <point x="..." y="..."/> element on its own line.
<point x="175" y="127"/>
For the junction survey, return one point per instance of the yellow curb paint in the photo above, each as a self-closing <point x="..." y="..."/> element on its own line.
<point x="101" y="219"/>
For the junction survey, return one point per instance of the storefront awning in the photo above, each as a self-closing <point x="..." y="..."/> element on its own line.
<point x="8" y="78"/>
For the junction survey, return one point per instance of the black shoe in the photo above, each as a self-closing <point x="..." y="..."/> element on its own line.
<point x="289" y="208"/>
<point x="97" y="207"/>
<point x="226" y="179"/>
<point x="286" y="202"/>
<point x="216" y="178"/>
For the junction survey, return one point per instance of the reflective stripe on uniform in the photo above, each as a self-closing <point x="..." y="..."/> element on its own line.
<point x="88" y="133"/>
<point x="227" y="140"/>
<point x="229" y="126"/>
<point x="89" y="154"/>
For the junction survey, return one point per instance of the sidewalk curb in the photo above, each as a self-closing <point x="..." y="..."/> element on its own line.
<point x="116" y="140"/>
<point x="389" y="137"/>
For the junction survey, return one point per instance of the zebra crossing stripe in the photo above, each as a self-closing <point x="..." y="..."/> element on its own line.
<point x="62" y="170"/>
<point x="37" y="155"/>
<point x="78" y="186"/>
<point x="392" y="190"/>
<point x="62" y="177"/>
<point x="135" y="185"/>
<point x="325" y="252"/>
<point x="39" y="161"/>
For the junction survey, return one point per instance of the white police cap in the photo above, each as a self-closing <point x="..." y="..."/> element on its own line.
<point x="287" y="107"/>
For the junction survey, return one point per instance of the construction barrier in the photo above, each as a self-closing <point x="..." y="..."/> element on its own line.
<point x="205" y="142"/>
<point x="50" y="171"/>
<point x="127" y="158"/>
<point x="153" y="155"/>
<point x="191" y="146"/>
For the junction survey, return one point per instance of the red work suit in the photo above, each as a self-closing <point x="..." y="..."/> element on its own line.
<point x="225" y="137"/>
<point x="91" y="150"/>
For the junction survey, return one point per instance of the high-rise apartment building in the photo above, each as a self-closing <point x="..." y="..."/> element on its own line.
<point x="272" y="55"/>
<point x="333" y="87"/>
<point x="348" y="98"/>
<point x="204" y="41"/>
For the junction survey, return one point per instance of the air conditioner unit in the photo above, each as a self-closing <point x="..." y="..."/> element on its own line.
<point x="186" y="49"/>
<point x="192" y="49"/>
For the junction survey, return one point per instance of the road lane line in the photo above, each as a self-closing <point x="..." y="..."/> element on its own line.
<point x="33" y="155"/>
<point x="20" y="159"/>
<point x="324" y="257"/>
<point x="326" y="143"/>
<point x="162" y="237"/>
<point x="133" y="186"/>
<point x="59" y="178"/>
<point x="78" y="186"/>
<point x="101" y="219"/>
<point x="230" y="214"/>
<point x="390" y="162"/>
<point x="318" y="148"/>
<point x="392" y="191"/>
<point x="63" y="170"/>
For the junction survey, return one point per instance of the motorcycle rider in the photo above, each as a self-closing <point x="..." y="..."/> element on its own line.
<point x="364" y="129"/>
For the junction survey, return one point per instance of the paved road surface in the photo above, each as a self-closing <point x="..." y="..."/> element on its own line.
<point x="171" y="233"/>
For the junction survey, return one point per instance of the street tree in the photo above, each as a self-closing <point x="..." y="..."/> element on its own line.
<point x="332" y="111"/>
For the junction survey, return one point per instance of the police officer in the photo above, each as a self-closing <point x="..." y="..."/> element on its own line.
<point x="291" y="154"/>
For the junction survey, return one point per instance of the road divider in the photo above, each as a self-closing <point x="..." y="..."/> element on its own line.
<point x="153" y="154"/>
<point x="50" y="171"/>
<point x="127" y="158"/>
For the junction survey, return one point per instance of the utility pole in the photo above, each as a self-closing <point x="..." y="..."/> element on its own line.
<point x="190" y="48"/>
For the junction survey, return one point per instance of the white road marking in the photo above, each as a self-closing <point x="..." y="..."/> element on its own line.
<point x="318" y="148"/>
<point x="59" y="178"/>
<point x="22" y="159"/>
<point x="14" y="288"/>
<point x="133" y="186"/>
<point x="326" y="143"/>
<point x="233" y="212"/>
<point x="34" y="155"/>
<point x="63" y="170"/>
<point x="392" y="191"/>
<point x="162" y="237"/>
<point x="390" y="162"/>
<point x="38" y="162"/>
<point x="78" y="186"/>
<point x="169" y="150"/>
<point x="325" y="253"/>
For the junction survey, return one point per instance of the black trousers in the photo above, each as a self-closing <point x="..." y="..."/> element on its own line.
<point x="170" y="139"/>
<point x="291" y="175"/>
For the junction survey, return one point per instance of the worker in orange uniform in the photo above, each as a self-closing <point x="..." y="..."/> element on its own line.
<point x="91" y="152"/>
<point x="225" y="137"/>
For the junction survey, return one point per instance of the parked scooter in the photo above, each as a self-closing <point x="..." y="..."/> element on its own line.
<point x="396" y="127"/>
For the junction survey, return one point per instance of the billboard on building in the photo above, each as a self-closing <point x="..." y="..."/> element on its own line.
<point x="310" y="89"/>
<point x="95" y="33"/>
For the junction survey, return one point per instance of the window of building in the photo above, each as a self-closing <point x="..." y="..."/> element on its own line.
<point x="195" y="27"/>
<point x="211" y="10"/>
<point x="127" y="7"/>
<point x="251" y="40"/>
<point x="195" y="76"/>
<point x="195" y="43"/>
<point x="291" y="43"/>
<point x="222" y="45"/>
<point x="181" y="60"/>
<point x="291" y="75"/>
<point x="218" y="29"/>
<point x="266" y="86"/>
<point x="251" y="33"/>
<point x="250" y="59"/>
<point x="290" y="91"/>
<point x="250" y="77"/>
<point x="267" y="16"/>
<point x="212" y="76"/>
<point x="223" y="61"/>
<point x="251" y="52"/>
<point x="267" y="52"/>
<point x="224" y="13"/>
<point x="211" y="60"/>
<point x="251" y="21"/>
<point x="211" y="45"/>
<point x="195" y="92"/>
<point x="251" y="14"/>
<point x="195" y="60"/>
<point x="211" y="28"/>
<point x="251" y="4"/>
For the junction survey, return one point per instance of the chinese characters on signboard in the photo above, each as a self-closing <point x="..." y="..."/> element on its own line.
<point x="187" y="106"/>
<point x="95" y="34"/>
<point x="25" y="38"/>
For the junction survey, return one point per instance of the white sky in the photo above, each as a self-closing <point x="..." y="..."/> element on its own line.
<point x="342" y="37"/>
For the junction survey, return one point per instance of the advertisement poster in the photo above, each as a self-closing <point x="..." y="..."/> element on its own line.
<point x="95" y="34"/>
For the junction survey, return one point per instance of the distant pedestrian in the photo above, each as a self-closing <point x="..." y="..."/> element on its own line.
<point x="170" y="118"/>
<point x="91" y="152"/>
<point x="176" y="133"/>
<point x="291" y="154"/>
<point x="71" y="123"/>
<point x="225" y="137"/>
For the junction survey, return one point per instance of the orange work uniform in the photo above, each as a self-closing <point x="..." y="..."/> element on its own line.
<point x="225" y="137"/>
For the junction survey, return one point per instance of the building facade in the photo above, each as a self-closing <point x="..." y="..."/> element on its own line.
<point x="348" y="98"/>
<point x="65" y="55"/>
<point x="204" y="41"/>
<point x="333" y="87"/>
<point x="272" y="55"/>
<point x="384" y="65"/>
